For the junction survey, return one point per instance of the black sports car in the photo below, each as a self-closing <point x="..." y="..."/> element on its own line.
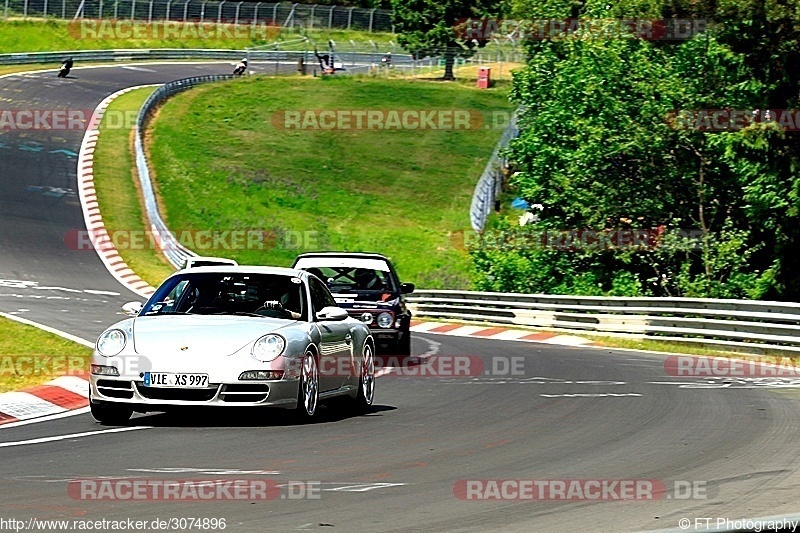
<point x="366" y="284"/>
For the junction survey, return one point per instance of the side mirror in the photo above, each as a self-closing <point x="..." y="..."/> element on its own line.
<point x="407" y="288"/>
<point x="132" y="308"/>
<point x="332" y="313"/>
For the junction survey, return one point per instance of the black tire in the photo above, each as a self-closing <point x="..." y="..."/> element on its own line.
<point x="110" y="415"/>
<point x="308" y="388"/>
<point x="403" y="346"/>
<point x="362" y="403"/>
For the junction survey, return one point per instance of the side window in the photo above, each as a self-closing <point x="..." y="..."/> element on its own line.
<point x="320" y="297"/>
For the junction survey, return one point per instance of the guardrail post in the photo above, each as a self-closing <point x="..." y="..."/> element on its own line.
<point x="133" y="10"/>
<point x="350" y="17"/>
<point x="5" y="14"/>
<point x="186" y="11"/>
<point x="25" y="9"/>
<point x="169" y="9"/>
<point x="219" y="12"/>
<point x="291" y="16"/>
<point x="116" y="9"/>
<point x="150" y="13"/>
<point x="236" y="17"/>
<point x="371" y="19"/>
<point x="275" y="13"/>
<point x="63" y="9"/>
<point x="100" y="10"/>
<point x="202" y="12"/>
<point x="45" y="8"/>
<point x="330" y="17"/>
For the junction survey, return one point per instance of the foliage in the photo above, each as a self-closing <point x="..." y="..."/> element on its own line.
<point x="605" y="145"/>
<point x="435" y="27"/>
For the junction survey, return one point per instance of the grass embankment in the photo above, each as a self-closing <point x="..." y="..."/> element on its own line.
<point x="30" y="356"/>
<point x="224" y="160"/>
<point x="38" y="35"/>
<point x="118" y="191"/>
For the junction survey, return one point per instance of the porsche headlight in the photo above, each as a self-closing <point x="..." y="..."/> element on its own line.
<point x="385" y="320"/>
<point x="268" y="347"/>
<point x="111" y="342"/>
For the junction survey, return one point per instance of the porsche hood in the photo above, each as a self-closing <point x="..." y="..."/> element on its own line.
<point x="202" y="334"/>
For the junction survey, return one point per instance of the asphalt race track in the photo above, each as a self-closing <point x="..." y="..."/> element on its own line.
<point x="564" y="413"/>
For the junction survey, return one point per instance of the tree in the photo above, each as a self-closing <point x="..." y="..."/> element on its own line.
<point x="433" y="27"/>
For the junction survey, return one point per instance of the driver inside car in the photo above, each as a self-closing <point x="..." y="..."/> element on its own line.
<point x="367" y="279"/>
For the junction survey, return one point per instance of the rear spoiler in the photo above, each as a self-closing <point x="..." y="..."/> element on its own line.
<point x="198" y="261"/>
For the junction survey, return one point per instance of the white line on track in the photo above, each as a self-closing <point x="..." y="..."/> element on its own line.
<point x="70" y="436"/>
<point x="48" y="329"/>
<point x="46" y="418"/>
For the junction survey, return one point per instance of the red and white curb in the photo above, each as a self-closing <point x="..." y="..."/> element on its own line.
<point x="498" y="332"/>
<point x="60" y="395"/>
<point x="91" y="211"/>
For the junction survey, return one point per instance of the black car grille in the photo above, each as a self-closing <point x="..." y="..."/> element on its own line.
<point x="245" y="393"/>
<point x="115" y="389"/>
<point x="185" y="395"/>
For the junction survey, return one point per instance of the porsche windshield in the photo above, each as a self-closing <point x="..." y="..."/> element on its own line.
<point x="226" y="293"/>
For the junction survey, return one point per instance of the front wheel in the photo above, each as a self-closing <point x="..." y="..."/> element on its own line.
<point x="366" y="382"/>
<point x="308" y="393"/>
<point x="110" y="415"/>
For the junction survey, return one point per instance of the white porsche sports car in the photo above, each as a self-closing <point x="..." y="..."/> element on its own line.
<point x="233" y="336"/>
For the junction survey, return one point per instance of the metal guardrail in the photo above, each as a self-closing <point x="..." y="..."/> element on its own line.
<point x="175" y="252"/>
<point x="736" y="325"/>
<point x="283" y="14"/>
<point x="159" y="54"/>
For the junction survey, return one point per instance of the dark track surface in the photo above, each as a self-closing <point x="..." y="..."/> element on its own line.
<point x="394" y="469"/>
<point x="34" y="225"/>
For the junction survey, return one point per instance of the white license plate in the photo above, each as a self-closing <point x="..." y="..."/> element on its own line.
<point x="165" y="379"/>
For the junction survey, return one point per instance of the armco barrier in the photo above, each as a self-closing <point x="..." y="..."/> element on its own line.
<point x="175" y="252"/>
<point x="160" y="54"/>
<point x="736" y="325"/>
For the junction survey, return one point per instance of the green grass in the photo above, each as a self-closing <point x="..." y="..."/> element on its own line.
<point x="655" y="345"/>
<point x="221" y="164"/>
<point x="37" y="35"/>
<point x="30" y="356"/>
<point x="117" y="186"/>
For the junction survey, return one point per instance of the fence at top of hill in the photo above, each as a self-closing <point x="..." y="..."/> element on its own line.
<point x="282" y="14"/>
